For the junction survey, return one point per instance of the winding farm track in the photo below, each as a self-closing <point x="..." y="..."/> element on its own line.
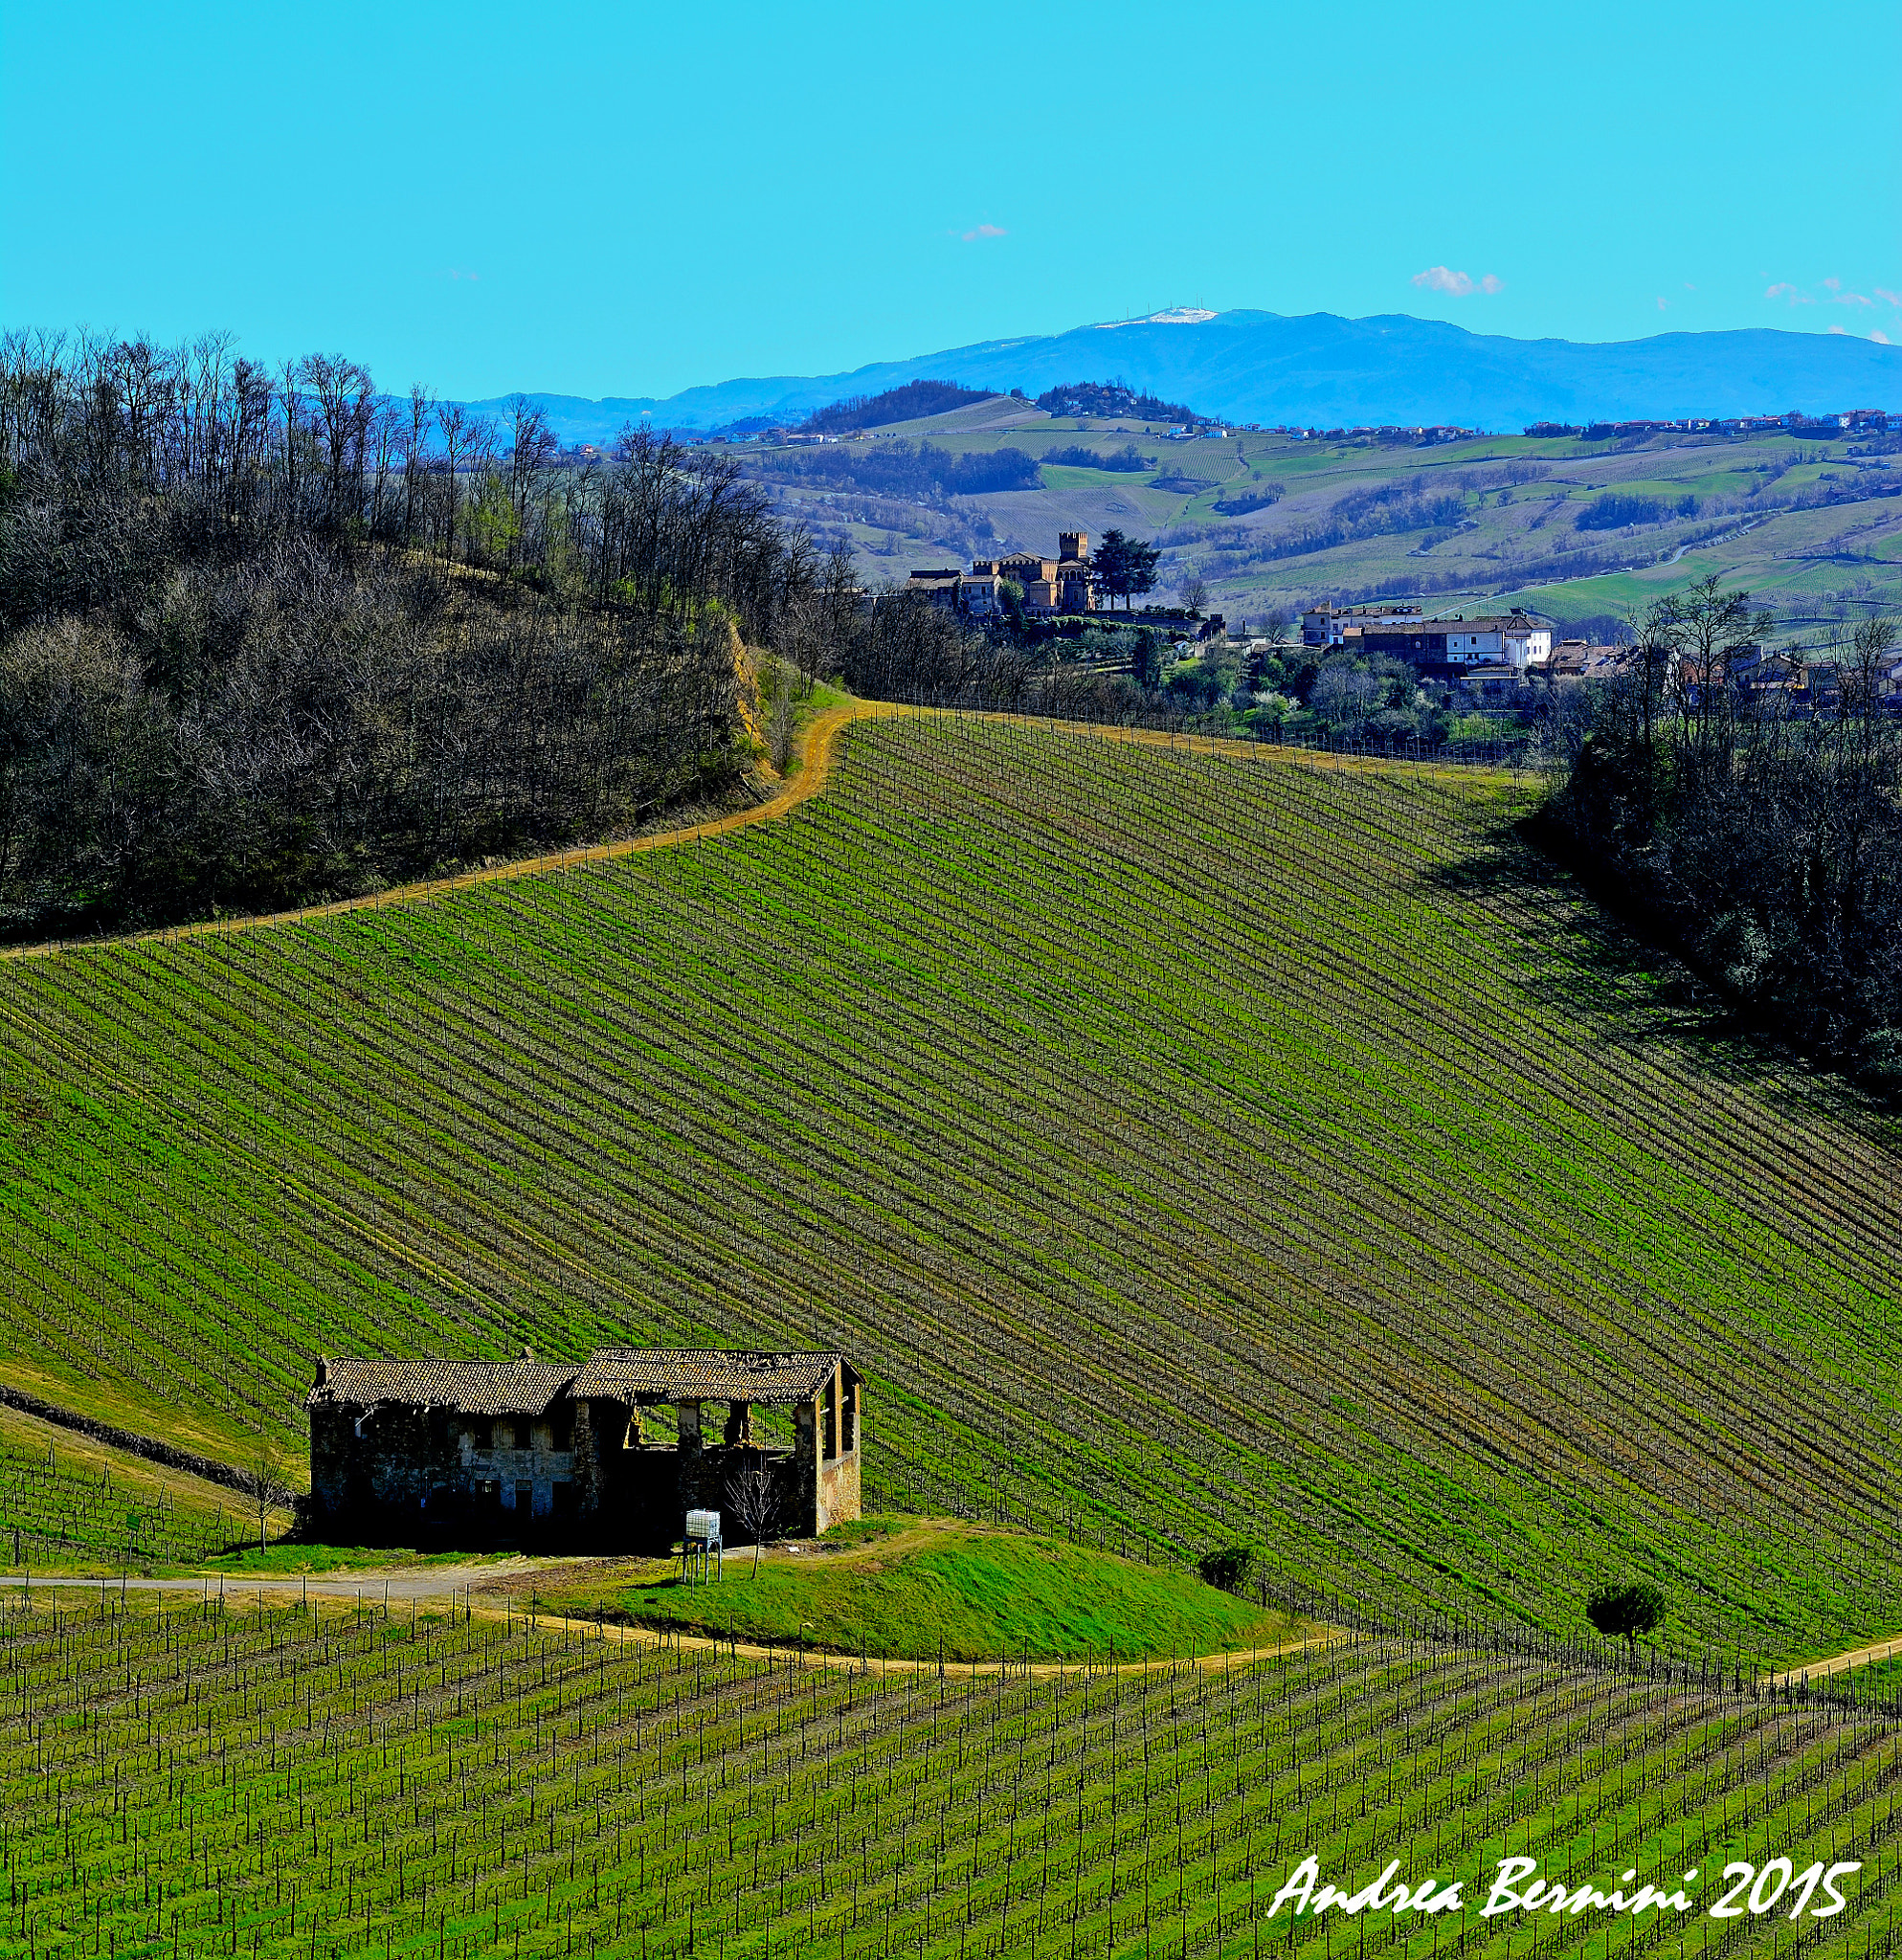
<point x="816" y="757"/>
<point x="815" y="764"/>
<point x="450" y="1586"/>
<point x="457" y="1587"/>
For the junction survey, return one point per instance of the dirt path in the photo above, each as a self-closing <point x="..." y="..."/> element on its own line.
<point x="460" y="1587"/>
<point x="1837" y="1664"/>
<point x="393" y="1584"/>
<point x="816" y="757"/>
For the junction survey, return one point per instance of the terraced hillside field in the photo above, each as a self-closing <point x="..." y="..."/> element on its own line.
<point x="1189" y="1146"/>
<point x="298" y="1780"/>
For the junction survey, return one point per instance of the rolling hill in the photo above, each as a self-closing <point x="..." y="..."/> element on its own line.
<point x="1811" y="527"/>
<point x="1190" y="1145"/>
<point x="1320" y="368"/>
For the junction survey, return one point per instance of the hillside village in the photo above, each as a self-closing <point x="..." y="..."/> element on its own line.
<point x="1368" y="670"/>
<point x="1577" y="522"/>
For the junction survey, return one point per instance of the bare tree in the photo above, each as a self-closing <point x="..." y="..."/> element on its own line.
<point x="533" y="447"/>
<point x="782" y="686"/>
<point x="752" y="1500"/>
<point x="459" y="443"/>
<point x="261" y="1479"/>
<point x="416" y="456"/>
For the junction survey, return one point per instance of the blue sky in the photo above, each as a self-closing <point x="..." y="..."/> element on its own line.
<point x="629" y="199"/>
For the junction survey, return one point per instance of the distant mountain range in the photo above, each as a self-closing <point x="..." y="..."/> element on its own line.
<point x="1318" y="368"/>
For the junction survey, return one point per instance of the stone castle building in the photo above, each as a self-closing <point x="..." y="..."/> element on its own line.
<point x="473" y="1452"/>
<point x="1063" y="584"/>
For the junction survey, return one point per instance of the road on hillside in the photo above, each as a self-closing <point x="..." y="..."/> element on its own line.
<point x="456" y="1585"/>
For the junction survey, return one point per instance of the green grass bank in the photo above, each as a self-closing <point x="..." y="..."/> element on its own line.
<point x="912" y="1589"/>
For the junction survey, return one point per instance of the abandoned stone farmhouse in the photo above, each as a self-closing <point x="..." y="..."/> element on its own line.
<point x="474" y="1453"/>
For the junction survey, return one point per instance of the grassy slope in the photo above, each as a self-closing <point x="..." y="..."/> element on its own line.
<point x="1190" y="1147"/>
<point x="917" y="1589"/>
<point x="450" y="1788"/>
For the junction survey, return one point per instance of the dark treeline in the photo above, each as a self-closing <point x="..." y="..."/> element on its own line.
<point x="908" y="402"/>
<point x="1763" y="839"/>
<point x="1128" y="461"/>
<point x="1613" y="512"/>
<point x="902" y="469"/>
<point x="270" y="638"/>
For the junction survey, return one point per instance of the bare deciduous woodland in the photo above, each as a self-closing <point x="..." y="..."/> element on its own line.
<point x="275" y="637"/>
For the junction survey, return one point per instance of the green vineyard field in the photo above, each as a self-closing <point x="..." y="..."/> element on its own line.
<point x="1189" y="1146"/>
<point x="301" y="1780"/>
<point x="66" y="1501"/>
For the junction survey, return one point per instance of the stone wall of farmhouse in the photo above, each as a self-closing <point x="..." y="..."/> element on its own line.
<point x="578" y="1474"/>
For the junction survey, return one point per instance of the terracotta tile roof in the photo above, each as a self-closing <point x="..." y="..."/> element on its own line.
<point x="666" y="1375"/>
<point x="476" y="1388"/>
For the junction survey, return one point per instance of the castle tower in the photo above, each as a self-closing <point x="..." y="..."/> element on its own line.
<point x="1072" y="546"/>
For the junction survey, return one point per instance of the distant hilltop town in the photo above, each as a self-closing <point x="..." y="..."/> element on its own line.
<point x="1850" y="421"/>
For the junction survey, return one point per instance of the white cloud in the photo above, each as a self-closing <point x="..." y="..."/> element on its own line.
<point x="1834" y="293"/>
<point x="1664" y="305"/>
<point x="1836" y="326"/>
<point x="1442" y="278"/>
<point x="1880" y="338"/>
<point x="985" y="232"/>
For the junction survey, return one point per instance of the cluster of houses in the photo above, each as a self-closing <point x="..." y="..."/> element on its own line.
<point x="1849" y="422"/>
<point x="1499" y="660"/>
<point x="1422" y="435"/>
<point x="1452" y="650"/>
<point x="1065" y="584"/>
